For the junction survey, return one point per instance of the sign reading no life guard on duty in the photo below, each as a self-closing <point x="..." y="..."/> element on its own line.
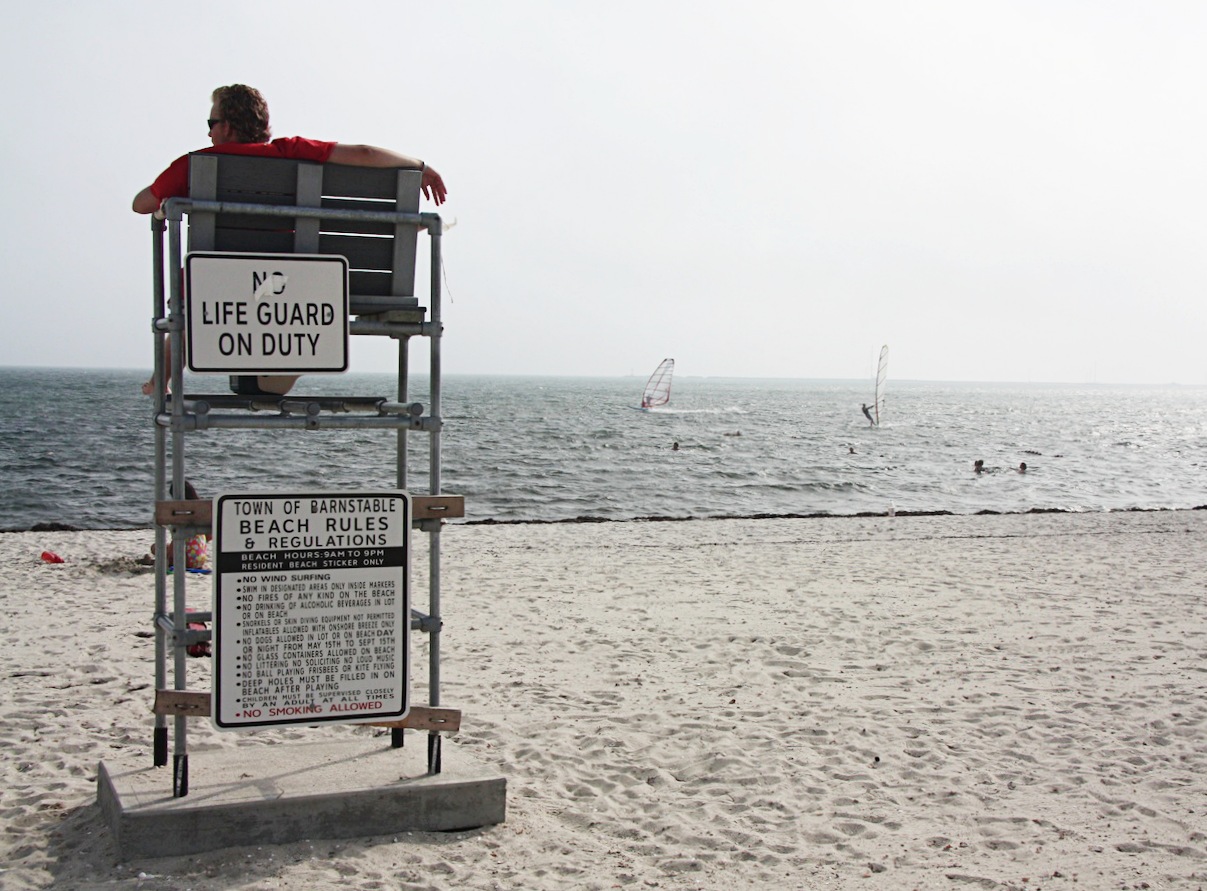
<point x="266" y="313"/>
<point x="311" y="608"/>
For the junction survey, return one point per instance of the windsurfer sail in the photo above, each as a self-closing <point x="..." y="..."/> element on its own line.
<point x="881" y="377"/>
<point x="658" y="387"/>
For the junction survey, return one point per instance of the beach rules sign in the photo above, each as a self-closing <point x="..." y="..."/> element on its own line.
<point x="311" y="608"/>
<point x="266" y="313"/>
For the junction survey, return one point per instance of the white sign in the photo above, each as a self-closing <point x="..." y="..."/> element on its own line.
<point x="266" y="313"/>
<point x="311" y="608"/>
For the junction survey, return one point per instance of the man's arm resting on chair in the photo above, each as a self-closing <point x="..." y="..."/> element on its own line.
<point x="372" y="156"/>
<point x="352" y="155"/>
<point x="145" y="202"/>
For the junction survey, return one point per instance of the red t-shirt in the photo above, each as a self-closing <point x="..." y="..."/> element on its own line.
<point x="174" y="182"/>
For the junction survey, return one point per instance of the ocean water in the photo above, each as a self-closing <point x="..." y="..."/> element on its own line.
<point x="76" y="447"/>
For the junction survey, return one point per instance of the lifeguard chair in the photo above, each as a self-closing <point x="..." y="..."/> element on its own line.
<point x="242" y="206"/>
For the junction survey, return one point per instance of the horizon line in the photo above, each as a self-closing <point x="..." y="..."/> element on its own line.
<point x="679" y="376"/>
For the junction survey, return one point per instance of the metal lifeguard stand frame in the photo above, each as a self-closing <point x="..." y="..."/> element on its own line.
<point x="267" y="205"/>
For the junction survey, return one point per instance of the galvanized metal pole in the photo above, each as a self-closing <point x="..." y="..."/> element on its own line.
<point x="397" y="734"/>
<point x="180" y="756"/>
<point x="404" y="355"/>
<point x="159" y="744"/>
<point x="435" y="230"/>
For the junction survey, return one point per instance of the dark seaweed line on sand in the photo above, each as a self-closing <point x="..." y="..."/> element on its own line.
<point x="490" y="521"/>
<point x="822" y="516"/>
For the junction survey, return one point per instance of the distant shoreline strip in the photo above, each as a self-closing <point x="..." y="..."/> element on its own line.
<point x="490" y="521"/>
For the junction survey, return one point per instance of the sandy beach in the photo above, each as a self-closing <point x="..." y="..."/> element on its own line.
<point x="905" y="702"/>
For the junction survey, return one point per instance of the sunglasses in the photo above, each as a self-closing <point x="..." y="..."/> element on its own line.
<point x="210" y="122"/>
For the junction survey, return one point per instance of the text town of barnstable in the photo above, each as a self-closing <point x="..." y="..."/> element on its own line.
<point x="328" y="523"/>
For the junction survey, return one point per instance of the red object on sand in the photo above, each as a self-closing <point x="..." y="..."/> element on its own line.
<point x="51" y="557"/>
<point x="197" y="649"/>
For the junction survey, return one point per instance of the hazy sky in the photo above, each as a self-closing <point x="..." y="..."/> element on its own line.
<point x="1001" y="191"/>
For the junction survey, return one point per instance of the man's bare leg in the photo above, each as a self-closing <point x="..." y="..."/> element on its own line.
<point x="280" y="384"/>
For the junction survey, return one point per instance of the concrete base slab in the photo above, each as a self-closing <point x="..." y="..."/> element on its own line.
<point x="276" y="794"/>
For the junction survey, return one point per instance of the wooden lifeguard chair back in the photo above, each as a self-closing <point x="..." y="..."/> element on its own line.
<point x="381" y="255"/>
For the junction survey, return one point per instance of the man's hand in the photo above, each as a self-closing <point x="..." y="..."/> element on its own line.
<point x="433" y="186"/>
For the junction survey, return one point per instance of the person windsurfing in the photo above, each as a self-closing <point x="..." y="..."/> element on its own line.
<point x="867" y="413"/>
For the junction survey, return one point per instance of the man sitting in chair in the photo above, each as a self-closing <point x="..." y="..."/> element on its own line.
<point x="238" y="125"/>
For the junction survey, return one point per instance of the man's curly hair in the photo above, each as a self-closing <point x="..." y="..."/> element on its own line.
<point x="244" y="110"/>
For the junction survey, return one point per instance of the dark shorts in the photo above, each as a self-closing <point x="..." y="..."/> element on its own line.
<point x="248" y="385"/>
